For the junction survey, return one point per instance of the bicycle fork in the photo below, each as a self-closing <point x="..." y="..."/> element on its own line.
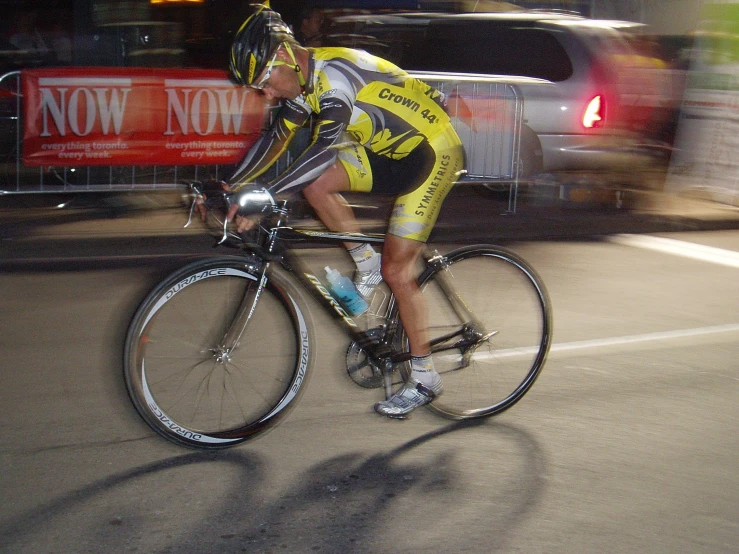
<point x="243" y="314"/>
<point x="249" y="302"/>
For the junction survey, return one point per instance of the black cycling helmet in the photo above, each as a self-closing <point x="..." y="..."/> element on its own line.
<point x="257" y="40"/>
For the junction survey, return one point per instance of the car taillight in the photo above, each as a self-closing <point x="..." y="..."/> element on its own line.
<point x="594" y="113"/>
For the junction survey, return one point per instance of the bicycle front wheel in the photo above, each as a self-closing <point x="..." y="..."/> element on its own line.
<point x="188" y="385"/>
<point x="503" y="311"/>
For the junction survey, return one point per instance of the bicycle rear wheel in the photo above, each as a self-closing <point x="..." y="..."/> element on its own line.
<point x="510" y="306"/>
<point x="182" y="381"/>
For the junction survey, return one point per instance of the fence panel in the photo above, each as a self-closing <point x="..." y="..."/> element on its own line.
<point x="486" y="112"/>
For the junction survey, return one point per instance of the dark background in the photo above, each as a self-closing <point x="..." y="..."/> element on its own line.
<point x="138" y="33"/>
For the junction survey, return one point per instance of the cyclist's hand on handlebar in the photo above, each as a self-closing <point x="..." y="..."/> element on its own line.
<point x="243" y="223"/>
<point x="248" y="205"/>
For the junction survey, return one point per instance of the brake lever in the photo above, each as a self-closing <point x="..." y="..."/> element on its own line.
<point x="227" y="200"/>
<point x="192" y="211"/>
<point x="196" y="191"/>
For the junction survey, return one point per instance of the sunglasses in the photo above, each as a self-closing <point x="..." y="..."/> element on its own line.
<point x="263" y="82"/>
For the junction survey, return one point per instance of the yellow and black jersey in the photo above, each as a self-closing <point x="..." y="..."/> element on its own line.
<point x="350" y="91"/>
<point x="388" y="130"/>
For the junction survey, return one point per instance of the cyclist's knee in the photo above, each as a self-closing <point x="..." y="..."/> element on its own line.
<point x="333" y="180"/>
<point x="313" y="195"/>
<point x="399" y="257"/>
<point x="398" y="273"/>
<point x="317" y="190"/>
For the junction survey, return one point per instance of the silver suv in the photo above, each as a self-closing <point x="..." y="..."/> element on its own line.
<point x="580" y="122"/>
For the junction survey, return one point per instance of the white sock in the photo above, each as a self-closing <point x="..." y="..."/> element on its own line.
<point x="365" y="257"/>
<point x="422" y="370"/>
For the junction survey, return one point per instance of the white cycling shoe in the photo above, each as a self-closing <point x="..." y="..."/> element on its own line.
<point x="410" y="396"/>
<point x="366" y="281"/>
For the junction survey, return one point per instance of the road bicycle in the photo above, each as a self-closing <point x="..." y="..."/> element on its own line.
<point x="221" y="349"/>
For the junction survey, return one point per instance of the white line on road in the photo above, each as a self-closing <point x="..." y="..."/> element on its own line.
<point x="680" y="248"/>
<point x="613" y="341"/>
<point x="646" y="337"/>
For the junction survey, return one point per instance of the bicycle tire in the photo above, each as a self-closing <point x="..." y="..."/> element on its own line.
<point x="182" y="385"/>
<point x="510" y="299"/>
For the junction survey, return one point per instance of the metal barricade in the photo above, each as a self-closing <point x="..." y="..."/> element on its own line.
<point x="487" y="114"/>
<point x="18" y="178"/>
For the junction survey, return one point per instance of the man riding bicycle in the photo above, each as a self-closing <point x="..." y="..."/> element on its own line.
<point x="376" y="129"/>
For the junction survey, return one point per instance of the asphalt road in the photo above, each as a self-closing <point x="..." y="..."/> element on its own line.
<point x="627" y="443"/>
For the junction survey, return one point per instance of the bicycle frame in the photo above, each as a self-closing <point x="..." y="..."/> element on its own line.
<point x="271" y="248"/>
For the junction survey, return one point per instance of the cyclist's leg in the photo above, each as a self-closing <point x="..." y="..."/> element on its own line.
<point x="324" y="196"/>
<point x="352" y="172"/>
<point x="416" y="212"/>
<point x="398" y="271"/>
<point x="399" y="259"/>
<point x="399" y="253"/>
<point x="410" y="225"/>
<point x="412" y="220"/>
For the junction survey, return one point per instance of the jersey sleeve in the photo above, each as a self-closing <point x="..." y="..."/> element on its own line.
<point x="271" y="145"/>
<point x="329" y="125"/>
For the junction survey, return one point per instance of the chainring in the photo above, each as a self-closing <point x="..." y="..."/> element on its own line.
<point x="362" y="370"/>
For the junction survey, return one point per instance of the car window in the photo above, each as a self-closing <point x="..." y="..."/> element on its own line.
<point x="394" y="42"/>
<point x="470" y="47"/>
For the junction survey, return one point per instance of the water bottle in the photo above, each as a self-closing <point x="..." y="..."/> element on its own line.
<point x="344" y="290"/>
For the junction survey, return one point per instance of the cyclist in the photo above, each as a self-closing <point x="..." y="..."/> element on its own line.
<point x="376" y="129"/>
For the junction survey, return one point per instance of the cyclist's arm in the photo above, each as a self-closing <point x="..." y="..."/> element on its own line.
<point x="332" y="120"/>
<point x="270" y="146"/>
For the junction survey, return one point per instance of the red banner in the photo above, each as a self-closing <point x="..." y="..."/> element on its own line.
<point x="136" y="116"/>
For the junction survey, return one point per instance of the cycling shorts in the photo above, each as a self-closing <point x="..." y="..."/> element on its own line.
<point x="420" y="181"/>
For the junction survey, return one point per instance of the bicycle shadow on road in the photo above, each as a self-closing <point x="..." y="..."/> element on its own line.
<point x="346" y="503"/>
<point x="406" y="499"/>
